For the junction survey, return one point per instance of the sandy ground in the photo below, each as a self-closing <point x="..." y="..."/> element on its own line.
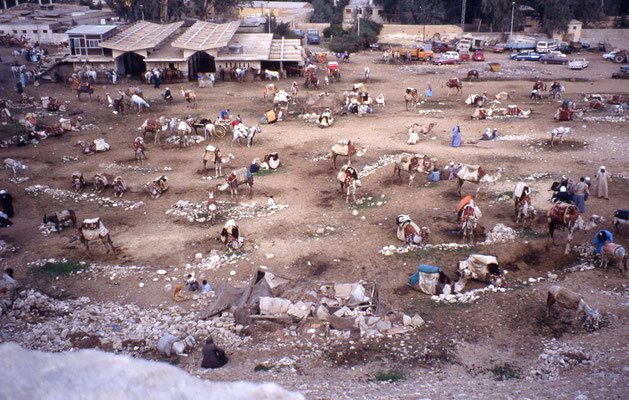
<point x="452" y="355"/>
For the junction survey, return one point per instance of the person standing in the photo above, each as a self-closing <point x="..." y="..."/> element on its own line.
<point x="580" y="191"/>
<point x="456" y="135"/>
<point x="7" y="203"/>
<point x="601" y="183"/>
<point x="156" y="81"/>
<point x="429" y="90"/>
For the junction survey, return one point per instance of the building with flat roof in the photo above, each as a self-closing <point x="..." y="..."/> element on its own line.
<point x="287" y="12"/>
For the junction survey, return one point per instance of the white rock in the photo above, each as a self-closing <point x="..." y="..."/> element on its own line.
<point x="161" y="272"/>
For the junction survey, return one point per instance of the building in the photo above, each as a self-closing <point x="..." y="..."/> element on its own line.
<point x="47" y="24"/>
<point x="293" y="13"/>
<point x="363" y="9"/>
<point x="85" y="40"/>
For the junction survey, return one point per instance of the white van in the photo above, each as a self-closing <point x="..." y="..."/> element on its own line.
<point x="546" y="46"/>
<point x="464" y="44"/>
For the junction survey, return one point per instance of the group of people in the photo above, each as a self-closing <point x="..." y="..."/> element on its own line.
<point x="577" y="193"/>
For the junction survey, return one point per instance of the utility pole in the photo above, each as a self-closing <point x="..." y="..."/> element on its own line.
<point x="463" y="5"/>
<point x="512" y="9"/>
<point x="358" y="16"/>
<point x="164" y="16"/>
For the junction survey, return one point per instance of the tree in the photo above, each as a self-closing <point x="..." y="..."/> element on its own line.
<point x="131" y="10"/>
<point x="323" y="11"/>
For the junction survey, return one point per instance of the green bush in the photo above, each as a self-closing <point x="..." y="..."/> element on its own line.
<point x="392" y="375"/>
<point x="61" y="268"/>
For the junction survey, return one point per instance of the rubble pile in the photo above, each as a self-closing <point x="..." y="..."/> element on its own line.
<point x="559" y="356"/>
<point x="515" y="138"/>
<point x="311" y="118"/>
<point x="47" y="229"/>
<point x="6" y="248"/>
<point x="194" y="139"/>
<point x="214" y="261"/>
<point x="126" y="328"/>
<point x="500" y="233"/>
<point x="62" y="194"/>
<point x="19" y="179"/>
<point x="383" y="161"/>
<point x="425" y="112"/>
<point x="70" y="158"/>
<point x="465" y="297"/>
<point x="607" y="118"/>
<point x="198" y="212"/>
<point x="392" y="249"/>
<point x="134" y="168"/>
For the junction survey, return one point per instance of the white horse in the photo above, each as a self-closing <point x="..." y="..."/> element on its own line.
<point x="270" y="75"/>
<point x="14" y="165"/>
<point x="209" y="130"/>
<point x="148" y="76"/>
<point x="139" y="102"/>
<point x="242" y="132"/>
<point x="560" y="132"/>
<point x="91" y="74"/>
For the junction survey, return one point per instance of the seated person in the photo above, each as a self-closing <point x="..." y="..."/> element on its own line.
<point x="213" y="356"/>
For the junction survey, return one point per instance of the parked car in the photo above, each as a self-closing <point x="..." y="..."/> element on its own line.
<point x="464" y="55"/>
<point x="447" y="59"/>
<point x="478" y="56"/>
<point x="440" y="47"/>
<point x="554" y="57"/>
<point x="499" y="48"/>
<point x="313" y="36"/>
<point x="565" y="48"/>
<point x="299" y="32"/>
<point x="610" y="56"/>
<point x="526" y="55"/>
<point x="578" y="63"/>
<point x="621" y="75"/>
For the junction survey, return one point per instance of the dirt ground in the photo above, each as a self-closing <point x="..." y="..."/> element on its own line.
<point x="454" y="354"/>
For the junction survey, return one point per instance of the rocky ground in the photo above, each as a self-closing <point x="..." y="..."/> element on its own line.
<point x="487" y="342"/>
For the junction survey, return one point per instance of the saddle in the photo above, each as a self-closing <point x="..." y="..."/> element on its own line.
<point x="513" y="110"/>
<point x="414" y="163"/>
<point x="152" y="125"/>
<point x="138" y="143"/>
<point x="564" y="114"/>
<point x="622" y="214"/>
<point x="564" y="214"/>
<point x="54" y="130"/>
<point x="610" y="247"/>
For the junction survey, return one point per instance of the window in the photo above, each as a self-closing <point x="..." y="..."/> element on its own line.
<point x="45" y="31"/>
<point x="92" y="43"/>
<point x="348" y="11"/>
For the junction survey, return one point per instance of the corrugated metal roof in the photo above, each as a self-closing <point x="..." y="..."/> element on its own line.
<point x="92" y="29"/>
<point x="255" y="47"/>
<point x="286" y="50"/>
<point x="206" y="36"/>
<point x="141" y="35"/>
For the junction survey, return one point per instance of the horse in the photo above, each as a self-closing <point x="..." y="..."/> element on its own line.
<point x="92" y="229"/>
<point x="14" y="165"/>
<point x="190" y="96"/>
<point x="539" y="85"/>
<point x="139" y="102"/>
<point x="157" y="187"/>
<point x="59" y="218"/>
<point x="613" y="251"/>
<point x="119" y="186"/>
<point x="469" y="220"/>
<point x="572" y="301"/>
<point x="567" y="216"/>
<point x="242" y="132"/>
<point x="621" y="217"/>
<point x="560" y="132"/>
<point x="100" y="182"/>
<point x="474" y="174"/>
<point x="454" y="83"/>
<point x="408" y="231"/>
<point x="91" y="74"/>
<point x="236" y="178"/>
<point x="270" y="75"/>
<point x="472" y="74"/>
<point x="78" y="183"/>
<point x="348" y="178"/>
<point x="343" y="147"/>
<point x="138" y="149"/>
<point x="213" y="154"/>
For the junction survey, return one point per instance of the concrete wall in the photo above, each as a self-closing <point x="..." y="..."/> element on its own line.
<point x="41" y="33"/>
<point x="617" y="38"/>
<point x="404" y="34"/>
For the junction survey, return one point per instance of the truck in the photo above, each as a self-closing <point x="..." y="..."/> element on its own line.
<point x="415" y="52"/>
<point x="313" y="36"/>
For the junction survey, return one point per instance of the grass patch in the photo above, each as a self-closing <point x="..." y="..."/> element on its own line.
<point x="265" y="172"/>
<point x="507" y="193"/>
<point x="431" y="185"/>
<point x="392" y="375"/>
<point x="531" y="234"/>
<point x="261" y="367"/>
<point x="61" y="268"/>
<point x="506" y="371"/>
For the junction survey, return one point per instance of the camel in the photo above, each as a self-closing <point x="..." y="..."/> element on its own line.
<point x="92" y="229"/>
<point x="474" y="174"/>
<point x="191" y="97"/>
<point x="567" y="216"/>
<point x="184" y="130"/>
<point x="60" y="217"/>
<point x="409" y="163"/>
<point x="480" y="268"/>
<point x="138" y="148"/>
<point x="560" y="132"/>
<point x="412" y="98"/>
<point x="119" y="186"/>
<point x="505" y="95"/>
<point x="613" y="251"/>
<point x="482" y="113"/>
<point x="572" y="301"/>
<point x="157" y="187"/>
<point x="454" y="83"/>
<point x="236" y="178"/>
<point x="213" y="154"/>
<point x="78" y="183"/>
<point x="100" y="182"/>
<point x="348" y="178"/>
<point x="416" y="130"/>
<point x="476" y="99"/>
<point x="97" y="146"/>
<point x="408" y="231"/>
<point x="152" y="126"/>
<point x="344" y="147"/>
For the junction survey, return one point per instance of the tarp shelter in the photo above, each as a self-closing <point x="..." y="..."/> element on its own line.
<point x="478" y="267"/>
<point x="425" y="279"/>
<point x="318" y="104"/>
<point x="228" y="298"/>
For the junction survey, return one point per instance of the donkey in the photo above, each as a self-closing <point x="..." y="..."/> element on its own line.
<point x="348" y="178"/>
<point x="572" y="301"/>
<point x="613" y="251"/>
<point x="138" y="148"/>
<point x="93" y="229"/>
<point x="560" y="132"/>
<point x="59" y="218"/>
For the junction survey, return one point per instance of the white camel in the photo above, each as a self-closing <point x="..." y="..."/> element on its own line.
<point x="475" y="174"/>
